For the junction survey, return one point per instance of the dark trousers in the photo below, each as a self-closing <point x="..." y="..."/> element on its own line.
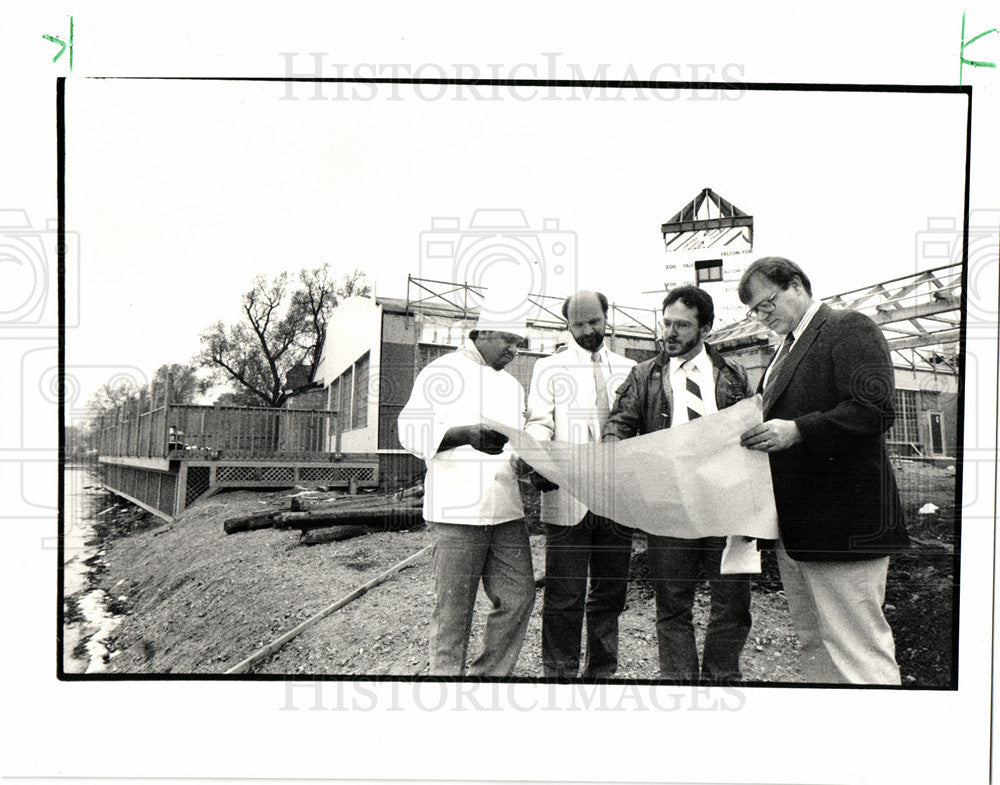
<point x="674" y="564"/>
<point x="598" y="548"/>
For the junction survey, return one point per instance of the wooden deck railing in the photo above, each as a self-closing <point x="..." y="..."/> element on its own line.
<point x="179" y="431"/>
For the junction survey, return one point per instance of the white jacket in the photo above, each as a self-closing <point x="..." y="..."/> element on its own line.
<point x="561" y="406"/>
<point x="462" y="484"/>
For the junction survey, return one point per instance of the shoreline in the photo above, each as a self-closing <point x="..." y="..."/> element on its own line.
<point x="90" y="611"/>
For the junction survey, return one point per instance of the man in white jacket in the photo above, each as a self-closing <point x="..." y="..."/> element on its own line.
<point x="472" y="503"/>
<point x="569" y="400"/>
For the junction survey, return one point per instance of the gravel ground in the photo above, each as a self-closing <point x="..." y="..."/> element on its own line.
<point x="199" y="601"/>
<point x="195" y="600"/>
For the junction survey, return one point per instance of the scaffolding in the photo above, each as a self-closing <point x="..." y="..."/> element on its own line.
<point x="463" y="301"/>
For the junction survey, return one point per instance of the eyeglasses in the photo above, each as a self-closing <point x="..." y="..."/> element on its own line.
<point x="680" y="324"/>
<point x="765" y="306"/>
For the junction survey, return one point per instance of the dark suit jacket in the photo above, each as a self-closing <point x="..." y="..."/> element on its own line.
<point x="835" y="491"/>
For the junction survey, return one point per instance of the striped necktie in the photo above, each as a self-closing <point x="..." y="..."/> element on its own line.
<point x="693" y="399"/>
<point x="602" y="404"/>
<point x="779" y="359"/>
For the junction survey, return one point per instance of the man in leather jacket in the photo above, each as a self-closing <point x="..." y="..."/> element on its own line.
<point x="686" y="381"/>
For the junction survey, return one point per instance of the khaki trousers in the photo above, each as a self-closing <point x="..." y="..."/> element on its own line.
<point x="836" y="610"/>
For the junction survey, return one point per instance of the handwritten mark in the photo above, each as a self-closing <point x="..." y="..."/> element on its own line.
<point x="975" y="63"/>
<point x="63" y="44"/>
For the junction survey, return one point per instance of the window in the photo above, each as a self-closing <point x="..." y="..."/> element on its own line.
<point x="359" y="408"/>
<point x="936" y="422"/>
<point x="905" y="429"/>
<point x="344" y="410"/>
<point x="333" y="401"/>
<point x="708" y="271"/>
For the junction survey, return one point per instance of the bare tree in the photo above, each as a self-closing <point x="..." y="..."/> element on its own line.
<point x="109" y="396"/>
<point x="184" y="383"/>
<point x="278" y="331"/>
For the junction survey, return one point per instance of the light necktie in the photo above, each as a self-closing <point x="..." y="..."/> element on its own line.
<point x="693" y="400"/>
<point x="779" y="359"/>
<point x="603" y="405"/>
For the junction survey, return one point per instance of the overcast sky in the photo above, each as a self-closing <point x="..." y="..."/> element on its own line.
<point x="182" y="191"/>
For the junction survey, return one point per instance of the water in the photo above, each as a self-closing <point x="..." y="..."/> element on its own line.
<point x="82" y="551"/>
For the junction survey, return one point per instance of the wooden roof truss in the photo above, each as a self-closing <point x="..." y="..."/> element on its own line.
<point x="920" y="315"/>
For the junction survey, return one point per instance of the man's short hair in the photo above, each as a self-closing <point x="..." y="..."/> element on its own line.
<point x="693" y="297"/>
<point x="776" y="269"/>
<point x="600" y="298"/>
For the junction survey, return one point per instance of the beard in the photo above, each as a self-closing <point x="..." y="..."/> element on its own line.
<point x="679" y="347"/>
<point x="590" y="342"/>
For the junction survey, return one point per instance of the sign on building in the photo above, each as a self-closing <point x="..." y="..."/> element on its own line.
<point x="709" y="243"/>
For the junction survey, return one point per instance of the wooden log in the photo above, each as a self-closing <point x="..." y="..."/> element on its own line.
<point x="378" y="519"/>
<point x="303" y="503"/>
<point x="248" y="523"/>
<point x="300" y="504"/>
<point x="413" y="492"/>
<point x="332" y="534"/>
<point x="344" y="505"/>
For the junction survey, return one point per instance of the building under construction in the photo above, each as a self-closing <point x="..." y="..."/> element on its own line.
<point x="377" y="346"/>
<point x="340" y="427"/>
<point x="920" y="317"/>
<point x="709" y="243"/>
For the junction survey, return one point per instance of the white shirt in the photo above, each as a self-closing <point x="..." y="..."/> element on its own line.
<point x="797" y="332"/>
<point x="562" y="406"/>
<point x="703" y="375"/>
<point x="462" y="484"/>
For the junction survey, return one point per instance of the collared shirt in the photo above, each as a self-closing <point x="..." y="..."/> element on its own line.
<point x="463" y="485"/>
<point x="797" y="332"/>
<point x="586" y="360"/>
<point x="704" y="376"/>
<point x="806" y="318"/>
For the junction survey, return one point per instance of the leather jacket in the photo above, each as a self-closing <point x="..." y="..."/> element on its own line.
<point x="644" y="403"/>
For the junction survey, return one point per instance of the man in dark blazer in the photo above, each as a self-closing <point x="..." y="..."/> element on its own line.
<point x="828" y="398"/>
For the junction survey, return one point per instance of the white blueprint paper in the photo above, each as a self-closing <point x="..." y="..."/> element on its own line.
<point x="693" y="480"/>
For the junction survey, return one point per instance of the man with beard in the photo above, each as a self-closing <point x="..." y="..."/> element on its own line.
<point x="472" y="503"/>
<point x="569" y="400"/>
<point x="688" y="380"/>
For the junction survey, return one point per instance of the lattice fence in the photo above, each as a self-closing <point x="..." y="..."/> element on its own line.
<point x="277" y="475"/>
<point x="198" y="482"/>
<point x="158" y="489"/>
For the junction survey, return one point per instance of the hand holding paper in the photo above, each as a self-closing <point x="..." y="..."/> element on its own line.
<point x="695" y="480"/>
